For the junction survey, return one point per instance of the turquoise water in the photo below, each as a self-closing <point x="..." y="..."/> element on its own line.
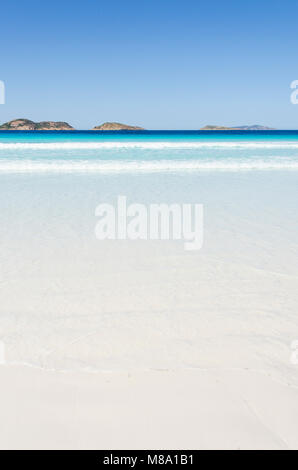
<point x="148" y="151"/>
<point x="72" y="302"/>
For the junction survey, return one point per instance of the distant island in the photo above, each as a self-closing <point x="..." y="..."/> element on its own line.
<point x="254" y="127"/>
<point x="27" y="125"/>
<point x="116" y="126"/>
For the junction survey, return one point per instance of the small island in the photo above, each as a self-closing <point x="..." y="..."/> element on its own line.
<point x="27" y="125"/>
<point x="116" y="126"/>
<point x="254" y="127"/>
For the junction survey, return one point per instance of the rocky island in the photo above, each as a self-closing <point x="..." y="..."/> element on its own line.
<point x="116" y="126"/>
<point x="254" y="127"/>
<point x="27" y="125"/>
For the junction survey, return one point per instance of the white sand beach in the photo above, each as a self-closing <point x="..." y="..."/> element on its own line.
<point x="141" y="345"/>
<point x="148" y="228"/>
<point x="202" y="409"/>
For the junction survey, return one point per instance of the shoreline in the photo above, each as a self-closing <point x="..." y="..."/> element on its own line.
<point x="69" y="301"/>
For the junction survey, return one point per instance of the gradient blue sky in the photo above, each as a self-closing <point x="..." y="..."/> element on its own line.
<point x="160" y="64"/>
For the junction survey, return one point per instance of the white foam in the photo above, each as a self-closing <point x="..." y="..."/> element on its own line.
<point x="145" y="145"/>
<point x="106" y="166"/>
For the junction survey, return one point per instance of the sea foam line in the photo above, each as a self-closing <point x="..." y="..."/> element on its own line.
<point x="144" y="145"/>
<point x="106" y="166"/>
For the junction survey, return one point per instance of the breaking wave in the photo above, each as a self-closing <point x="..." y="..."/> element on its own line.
<point x="106" y="166"/>
<point x="145" y="145"/>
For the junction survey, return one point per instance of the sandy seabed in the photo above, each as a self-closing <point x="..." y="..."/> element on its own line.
<point x="141" y="345"/>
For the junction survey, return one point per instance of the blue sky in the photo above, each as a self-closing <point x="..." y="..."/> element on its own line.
<point x="159" y="64"/>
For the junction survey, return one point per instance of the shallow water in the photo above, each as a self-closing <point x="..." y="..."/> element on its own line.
<point x="70" y="301"/>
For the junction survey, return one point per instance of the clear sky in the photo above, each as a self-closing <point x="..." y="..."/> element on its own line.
<point x="162" y="64"/>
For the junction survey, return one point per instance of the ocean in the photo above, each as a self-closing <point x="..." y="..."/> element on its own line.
<point x="147" y="151"/>
<point x="72" y="302"/>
